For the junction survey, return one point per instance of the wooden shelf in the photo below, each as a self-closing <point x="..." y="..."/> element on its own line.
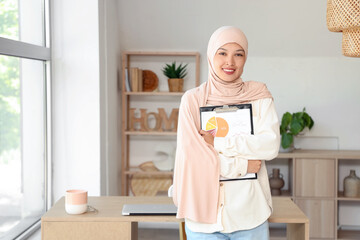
<point x="154" y="93"/>
<point x="341" y="197"/>
<point x="138" y="133"/>
<point x="284" y="193"/>
<point x="138" y="171"/>
<point x="320" y="154"/>
<point x="348" y="234"/>
<point x="127" y="97"/>
<point x="140" y="53"/>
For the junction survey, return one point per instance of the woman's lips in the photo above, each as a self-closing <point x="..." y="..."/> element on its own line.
<point x="228" y="71"/>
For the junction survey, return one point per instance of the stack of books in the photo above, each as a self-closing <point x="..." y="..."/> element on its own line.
<point x="134" y="79"/>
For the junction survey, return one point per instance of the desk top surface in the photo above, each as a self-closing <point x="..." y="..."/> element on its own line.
<point x="109" y="209"/>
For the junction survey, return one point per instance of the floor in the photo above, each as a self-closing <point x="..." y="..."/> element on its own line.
<point x="144" y="234"/>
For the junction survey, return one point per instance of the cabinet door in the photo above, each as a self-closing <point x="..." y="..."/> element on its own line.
<point x="321" y="214"/>
<point x="315" y="177"/>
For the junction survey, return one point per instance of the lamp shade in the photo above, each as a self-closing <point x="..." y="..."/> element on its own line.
<point x="351" y="42"/>
<point x="342" y="14"/>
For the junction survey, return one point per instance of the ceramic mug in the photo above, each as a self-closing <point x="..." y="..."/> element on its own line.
<point x="76" y="201"/>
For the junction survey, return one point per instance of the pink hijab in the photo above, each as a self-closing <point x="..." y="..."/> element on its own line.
<point x="197" y="168"/>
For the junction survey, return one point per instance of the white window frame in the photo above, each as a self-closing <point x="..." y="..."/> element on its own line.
<point x="20" y="49"/>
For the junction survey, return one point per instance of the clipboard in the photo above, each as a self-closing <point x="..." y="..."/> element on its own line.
<point x="228" y="121"/>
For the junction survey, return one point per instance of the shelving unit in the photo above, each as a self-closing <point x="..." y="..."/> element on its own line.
<point x="150" y="133"/>
<point x="127" y="97"/>
<point x="344" y="166"/>
<point x="341" y="197"/>
<point x="154" y="93"/>
<point x="348" y="234"/>
<point x="314" y="185"/>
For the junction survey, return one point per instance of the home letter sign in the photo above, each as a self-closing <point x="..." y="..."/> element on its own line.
<point x="162" y="122"/>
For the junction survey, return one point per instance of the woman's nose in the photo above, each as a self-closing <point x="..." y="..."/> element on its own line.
<point x="230" y="60"/>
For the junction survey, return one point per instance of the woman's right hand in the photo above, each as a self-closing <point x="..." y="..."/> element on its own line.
<point x="208" y="137"/>
<point x="253" y="166"/>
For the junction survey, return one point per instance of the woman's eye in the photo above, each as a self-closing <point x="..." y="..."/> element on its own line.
<point x="222" y="53"/>
<point x="239" y="55"/>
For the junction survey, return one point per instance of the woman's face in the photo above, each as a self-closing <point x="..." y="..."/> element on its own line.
<point x="229" y="61"/>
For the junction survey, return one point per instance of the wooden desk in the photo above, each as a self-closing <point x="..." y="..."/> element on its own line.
<point x="109" y="224"/>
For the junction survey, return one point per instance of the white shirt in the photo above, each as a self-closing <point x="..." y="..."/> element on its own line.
<point x="245" y="204"/>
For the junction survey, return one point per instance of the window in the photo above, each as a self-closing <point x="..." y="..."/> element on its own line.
<point x="24" y="84"/>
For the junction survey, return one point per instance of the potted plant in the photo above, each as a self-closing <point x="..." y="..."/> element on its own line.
<point x="176" y="76"/>
<point x="292" y="125"/>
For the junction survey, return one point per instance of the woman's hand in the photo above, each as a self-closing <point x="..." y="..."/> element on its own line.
<point x="253" y="166"/>
<point x="208" y="137"/>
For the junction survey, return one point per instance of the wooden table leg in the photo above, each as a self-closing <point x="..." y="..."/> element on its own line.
<point x="182" y="231"/>
<point x="297" y="231"/>
<point x="134" y="230"/>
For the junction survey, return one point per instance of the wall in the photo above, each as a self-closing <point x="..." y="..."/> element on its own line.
<point x="290" y="49"/>
<point x="75" y="97"/>
<point x="109" y="97"/>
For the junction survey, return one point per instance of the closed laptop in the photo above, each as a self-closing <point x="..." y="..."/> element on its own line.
<point x="149" y="209"/>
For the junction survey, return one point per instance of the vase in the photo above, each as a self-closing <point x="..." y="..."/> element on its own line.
<point x="287" y="150"/>
<point x="176" y="84"/>
<point x="352" y="185"/>
<point x="276" y="182"/>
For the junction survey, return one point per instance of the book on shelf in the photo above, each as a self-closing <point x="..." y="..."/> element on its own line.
<point x="127" y="80"/>
<point x="133" y="79"/>
<point x="136" y="79"/>
<point x="140" y="80"/>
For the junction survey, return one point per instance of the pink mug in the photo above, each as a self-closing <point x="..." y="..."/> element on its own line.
<point x="76" y="201"/>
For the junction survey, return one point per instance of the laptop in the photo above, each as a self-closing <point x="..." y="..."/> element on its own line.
<point x="149" y="209"/>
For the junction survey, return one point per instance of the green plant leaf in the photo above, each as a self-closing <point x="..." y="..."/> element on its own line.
<point x="285" y="121"/>
<point x="171" y="71"/>
<point x="286" y="140"/>
<point x="307" y="119"/>
<point x="298" y="116"/>
<point x="311" y="123"/>
<point x="296" y="126"/>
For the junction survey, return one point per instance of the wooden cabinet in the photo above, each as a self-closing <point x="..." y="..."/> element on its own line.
<point x="314" y="180"/>
<point x="153" y="61"/>
<point x="322" y="216"/>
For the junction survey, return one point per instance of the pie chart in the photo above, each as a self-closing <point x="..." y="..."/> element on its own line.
<point x="219" y="124"/>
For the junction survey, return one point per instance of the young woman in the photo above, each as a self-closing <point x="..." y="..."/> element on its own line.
<point x="215" y="209"/>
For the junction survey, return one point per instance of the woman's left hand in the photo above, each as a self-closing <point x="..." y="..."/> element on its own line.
<point x="208" y="137"/>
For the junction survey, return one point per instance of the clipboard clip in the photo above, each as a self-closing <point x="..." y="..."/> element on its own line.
<point x="226" y="108"/>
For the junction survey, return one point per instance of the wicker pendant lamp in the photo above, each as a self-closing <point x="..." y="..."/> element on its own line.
<point x="344" y="16"/>
<point x="351" y="42"/>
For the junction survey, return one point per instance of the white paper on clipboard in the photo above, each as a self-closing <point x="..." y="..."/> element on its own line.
<point x="228" y="121"/>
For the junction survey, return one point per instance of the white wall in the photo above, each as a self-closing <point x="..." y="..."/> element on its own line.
<point x="290" y="49"/>
<point x="85" y="97"/>
<point x="76" y="94"/>
<point x="109" y="97"/>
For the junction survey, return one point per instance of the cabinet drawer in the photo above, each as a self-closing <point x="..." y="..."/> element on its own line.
<point x="321" y="214"/>
<point x="315" y="178"/>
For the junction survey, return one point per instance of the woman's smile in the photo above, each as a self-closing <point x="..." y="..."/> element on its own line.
<point x="229" y="71"/>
